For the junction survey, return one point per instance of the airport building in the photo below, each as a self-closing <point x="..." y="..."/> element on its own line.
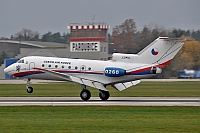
<point x="89" y="38"/>
<point x="87" y="41"/>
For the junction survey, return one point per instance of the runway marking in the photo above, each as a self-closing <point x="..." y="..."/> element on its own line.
<point x="95" y="101"/>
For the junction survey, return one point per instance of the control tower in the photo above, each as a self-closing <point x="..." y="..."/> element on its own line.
<point x="89" y="37"/>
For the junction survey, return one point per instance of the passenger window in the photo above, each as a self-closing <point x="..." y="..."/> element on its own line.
<point x="82" y="68"/>
<point x="56" y="66"/>
<point x="76" y="67"/>
<point x="42" y="65"/>
<point x="89" y="68"/>
<point x="69" y="67"/>
<point x="63" y="66"/>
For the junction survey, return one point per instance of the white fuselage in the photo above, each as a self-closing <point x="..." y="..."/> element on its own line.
<point x="86" y="69"/>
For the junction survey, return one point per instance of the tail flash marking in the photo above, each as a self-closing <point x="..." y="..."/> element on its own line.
<point x="154" y="51"/>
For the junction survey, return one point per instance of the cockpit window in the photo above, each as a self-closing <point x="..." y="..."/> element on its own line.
<point x="21" y="61"/>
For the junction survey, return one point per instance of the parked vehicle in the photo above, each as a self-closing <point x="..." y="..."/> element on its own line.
<point x="188" y="73"/>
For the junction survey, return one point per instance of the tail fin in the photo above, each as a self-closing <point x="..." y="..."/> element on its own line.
<point x="161" y="51"/>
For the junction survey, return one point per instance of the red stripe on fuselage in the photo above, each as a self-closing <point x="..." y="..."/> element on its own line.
<point x="140" y="70"/>
<point x="163" y="65"/>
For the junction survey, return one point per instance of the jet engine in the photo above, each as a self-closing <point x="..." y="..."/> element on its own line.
<point x="114" y="72"/>
<point x="156" y="70"/>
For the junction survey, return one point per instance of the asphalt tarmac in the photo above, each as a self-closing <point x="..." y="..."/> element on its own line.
<point x="95" y="101"/>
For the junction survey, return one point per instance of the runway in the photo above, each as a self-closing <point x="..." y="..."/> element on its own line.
<point x="95" y="101"/>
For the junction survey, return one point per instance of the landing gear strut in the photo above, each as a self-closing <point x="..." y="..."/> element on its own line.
<point x="29" y="88"/>
<point x="104" y="95"/>
<point x="85" y="94"/>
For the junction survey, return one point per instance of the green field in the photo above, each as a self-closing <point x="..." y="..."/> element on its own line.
<point x="100" y="119"/>
<point x="157" y="89"/>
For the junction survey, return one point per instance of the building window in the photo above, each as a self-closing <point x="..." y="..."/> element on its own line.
<point x="101" y="49"/>
<point x="104" y="49"/>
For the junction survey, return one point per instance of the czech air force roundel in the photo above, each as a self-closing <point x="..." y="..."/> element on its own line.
<point x="154" y="51"/>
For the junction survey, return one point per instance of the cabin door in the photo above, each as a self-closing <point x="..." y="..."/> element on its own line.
<point x="32" y="68"/>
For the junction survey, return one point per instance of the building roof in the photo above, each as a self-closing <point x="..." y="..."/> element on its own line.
<point x="37" y="44"/>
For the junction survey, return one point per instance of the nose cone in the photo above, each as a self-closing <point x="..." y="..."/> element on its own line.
<point x="6" y="70"/>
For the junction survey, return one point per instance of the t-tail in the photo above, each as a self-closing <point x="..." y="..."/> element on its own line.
<point x="159" y="52"/>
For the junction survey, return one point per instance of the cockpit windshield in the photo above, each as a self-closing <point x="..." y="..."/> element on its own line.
<point x="21" y="61"/>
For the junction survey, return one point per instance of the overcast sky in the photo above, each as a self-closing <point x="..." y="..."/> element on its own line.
<point x="56" y="15"/>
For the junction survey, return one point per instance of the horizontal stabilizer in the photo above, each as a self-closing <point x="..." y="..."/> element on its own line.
<point x="123" y="86"/>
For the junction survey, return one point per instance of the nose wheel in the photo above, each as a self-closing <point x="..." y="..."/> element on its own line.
<point x="29" y="89"/>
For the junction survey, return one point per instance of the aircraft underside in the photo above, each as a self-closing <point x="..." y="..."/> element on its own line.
<point x="85" y="94"/>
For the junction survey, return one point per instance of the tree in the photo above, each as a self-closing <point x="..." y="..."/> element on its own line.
<point x="189" y="56"/>
<point x="26" y="35"/>
<point x="56" y="37"/>
<point x="123" y="37"/>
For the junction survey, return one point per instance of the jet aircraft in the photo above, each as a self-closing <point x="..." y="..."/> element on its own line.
<point x="121" y="72"/>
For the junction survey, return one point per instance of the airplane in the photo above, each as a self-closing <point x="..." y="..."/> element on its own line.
<point x="121" y="72"/>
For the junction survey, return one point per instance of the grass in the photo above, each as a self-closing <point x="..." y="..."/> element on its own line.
<point x="99" y="119"/>
<point x="157" y="89"/>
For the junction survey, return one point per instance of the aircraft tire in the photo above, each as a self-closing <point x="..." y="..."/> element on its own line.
<point x="104" y="95"/>
<point x="85" y="95"/>
<point x="30" y="89"/>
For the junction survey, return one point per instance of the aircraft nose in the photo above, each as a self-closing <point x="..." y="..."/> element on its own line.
<point x="7" y="70"/>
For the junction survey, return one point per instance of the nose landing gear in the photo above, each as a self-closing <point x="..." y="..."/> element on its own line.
<point x="29" y="88"/>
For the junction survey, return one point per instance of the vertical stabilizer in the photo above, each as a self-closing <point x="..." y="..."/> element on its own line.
<point x="160" y="51"/>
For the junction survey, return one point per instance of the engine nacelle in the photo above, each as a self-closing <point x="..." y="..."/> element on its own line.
<point x="114" y="72"/>
<point x="156" y="70"/>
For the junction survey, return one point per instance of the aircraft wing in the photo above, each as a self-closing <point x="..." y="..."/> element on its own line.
<point x="125" y="85"/>
<point x="88" y="82"/>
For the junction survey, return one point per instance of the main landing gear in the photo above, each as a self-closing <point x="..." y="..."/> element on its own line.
<point x="104" y="95"/>
<point x="85" y="94"/>
<point x="29" y="88"/>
